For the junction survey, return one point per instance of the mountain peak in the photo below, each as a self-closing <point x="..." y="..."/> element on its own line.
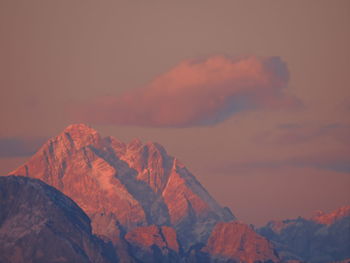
<point x="81" y="135"/>
<point x="132" y="184"/>
<point x="80" y="129"/>
<point x="134" y="144"/>
<point x="78" y="126"/>
<point x="329" y="218"/>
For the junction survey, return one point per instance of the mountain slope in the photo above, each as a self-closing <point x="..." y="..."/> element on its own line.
<point x="123" y="186"/>
<point x="154" y="244"/>
<point x="321" y="238"/>
<point x="237" y="242"/>
<point x="40" y="224"/>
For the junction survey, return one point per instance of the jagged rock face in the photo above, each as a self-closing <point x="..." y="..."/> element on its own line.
<point x="329" y="218"/>
<point x="154" y="244"/>
<point x="40" y="224"/>
<point x="108" y="230"/>
<point x="125" y="185"/>
<point x="237" y="242"/>
<point x="71" y="163"/>
<point x="322" y="238"/>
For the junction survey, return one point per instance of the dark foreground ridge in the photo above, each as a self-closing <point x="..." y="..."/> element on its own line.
<point x="40" y="224"/>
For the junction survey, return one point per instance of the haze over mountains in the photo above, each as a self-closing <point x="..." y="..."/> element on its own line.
<point x="147" y="206"/>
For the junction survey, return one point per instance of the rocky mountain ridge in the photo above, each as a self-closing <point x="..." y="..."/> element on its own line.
<point x="137" y="184"/>
<point x="239" y="242"/>
<point x="331" y="217"/>
<point x="139" y="198"/>
<point x="322" y="238"/>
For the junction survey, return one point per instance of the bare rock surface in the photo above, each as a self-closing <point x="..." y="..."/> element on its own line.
<point x="123" y="186"/>
<point x="238" y="242"/>
<point x="154" y="244"/>
<point x="40" y="224"/>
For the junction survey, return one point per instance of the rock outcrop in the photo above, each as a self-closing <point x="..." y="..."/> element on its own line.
<point x="154" y="244"/>
<point x="238" y="242"/>
<point x="40" y="224"/>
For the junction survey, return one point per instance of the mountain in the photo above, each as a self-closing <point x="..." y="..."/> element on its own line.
<point x="123" y="186"/>
<point x="138" y="197"/>
<point x="325" y="237"/>
<point x="40" y="224"/>
<point x="154" y="244"/>
<point x="330" y="218"/>
<point x="237" y="242"/>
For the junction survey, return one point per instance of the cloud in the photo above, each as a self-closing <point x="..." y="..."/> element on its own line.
<point x="19" y="147"/>
<point x="198" y="92"/>
<point x="338" y="161"/>
<point x="295" y="133"/>
<point x="322" y="146"/>
<point x="335" y="159"/>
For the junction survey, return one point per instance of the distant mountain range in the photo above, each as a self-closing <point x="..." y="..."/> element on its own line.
<point x="321" y="238"/>
<point x="144" y="206"/>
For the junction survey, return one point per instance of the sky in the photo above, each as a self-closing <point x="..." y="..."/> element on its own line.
<point x="252" y="96"/>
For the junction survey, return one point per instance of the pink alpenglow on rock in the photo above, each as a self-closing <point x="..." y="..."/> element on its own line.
<point x="154" y="244"/>
<point x="239" y="243"/>
<point x="123" y="186"/>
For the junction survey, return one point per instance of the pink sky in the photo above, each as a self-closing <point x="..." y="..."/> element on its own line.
<point x="260" y="88"/>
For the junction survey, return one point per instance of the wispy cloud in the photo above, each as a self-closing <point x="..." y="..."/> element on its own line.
<point x="333" y="160"/>
<point x="296" y="133"/>
<point x="19" y="147"/>
<point x="198" y="92"/>
<point x="322" y="146"/>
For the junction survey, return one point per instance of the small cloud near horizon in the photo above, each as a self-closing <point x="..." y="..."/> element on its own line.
<point x="337" y="160"/>
<point x="297" y="133"/>
<point x="20" y="147"/>
<point x="200" y="92"/>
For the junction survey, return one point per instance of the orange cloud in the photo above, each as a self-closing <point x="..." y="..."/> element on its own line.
<point x="199" y="92"/>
